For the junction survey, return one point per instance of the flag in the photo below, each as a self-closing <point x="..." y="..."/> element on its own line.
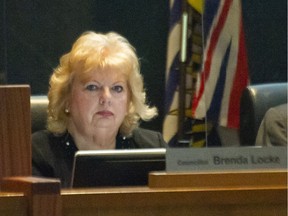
<point x="172" y="71"/>
<point x="197" y="5"/>
<point x="224" y="71"/>
<point x="194" y="50"/>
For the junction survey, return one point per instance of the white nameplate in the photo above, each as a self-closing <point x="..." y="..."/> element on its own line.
<point x="225" y="158"/>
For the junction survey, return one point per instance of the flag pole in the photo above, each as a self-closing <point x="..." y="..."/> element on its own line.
<point x="182" y="71"/>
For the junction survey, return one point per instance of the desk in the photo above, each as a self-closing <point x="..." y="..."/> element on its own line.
<point x="15" y="130"/>
<point x="263" y="199"/>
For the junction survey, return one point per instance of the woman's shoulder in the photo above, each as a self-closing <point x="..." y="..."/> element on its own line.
<point x="45" y="137"/>
<point x="145" y="138"/>
<point x="144" y="132"/>
<point x="42" y="135"/>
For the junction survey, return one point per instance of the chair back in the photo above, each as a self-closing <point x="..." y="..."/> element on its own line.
<point x="39" y="104"/>
<point x="254" y="103"/>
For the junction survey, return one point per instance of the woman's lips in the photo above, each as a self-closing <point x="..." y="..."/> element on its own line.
<point x="105" y="113"/>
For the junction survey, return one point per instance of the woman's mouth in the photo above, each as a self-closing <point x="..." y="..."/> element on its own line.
<point x="105" y="113"/>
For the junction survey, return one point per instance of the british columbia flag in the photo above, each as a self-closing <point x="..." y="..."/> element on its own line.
<point x="172" y="71"/>
<point x="224" y="71"/>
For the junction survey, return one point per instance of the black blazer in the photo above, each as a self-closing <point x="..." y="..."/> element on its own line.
<point x="52" y="156"/>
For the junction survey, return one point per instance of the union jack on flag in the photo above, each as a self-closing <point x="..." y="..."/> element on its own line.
<point x="224" y="71"/>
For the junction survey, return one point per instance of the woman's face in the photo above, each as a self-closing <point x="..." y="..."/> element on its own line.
<point x="99" y="103"/>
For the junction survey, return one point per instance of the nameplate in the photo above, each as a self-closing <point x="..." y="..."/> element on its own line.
<point x="226" y="158"/>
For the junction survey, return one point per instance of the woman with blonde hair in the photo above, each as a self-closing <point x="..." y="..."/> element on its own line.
<point x="96" y="100"/>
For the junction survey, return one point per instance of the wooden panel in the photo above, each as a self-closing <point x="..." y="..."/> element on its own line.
<point x="229" y="193"/>
<point x="226" y="179"/>
<point x="44" y="198"/>
<point x="13" y="204"/>
<point x="148" y="202"/>
<point x="15" y="130"/>
<point x="170" y="202"/>
<point x="43" y="194"/>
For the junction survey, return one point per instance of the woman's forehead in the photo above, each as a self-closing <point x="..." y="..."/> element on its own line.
<point x="106" y="74"/>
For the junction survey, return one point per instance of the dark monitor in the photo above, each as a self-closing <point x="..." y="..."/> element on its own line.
<point x="102" y="168"/>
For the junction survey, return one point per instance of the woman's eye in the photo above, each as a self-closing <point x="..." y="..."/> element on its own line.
<point x="117" y="88"/>
<point x="92" y="87"/>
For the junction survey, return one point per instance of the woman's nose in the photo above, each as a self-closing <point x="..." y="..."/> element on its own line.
<point x="106" y="93"/>
<point x="105" y="97"/>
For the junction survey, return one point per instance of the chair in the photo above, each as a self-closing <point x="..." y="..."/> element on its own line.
<point x="254" y="103"/>
<point x="39" y="104"/>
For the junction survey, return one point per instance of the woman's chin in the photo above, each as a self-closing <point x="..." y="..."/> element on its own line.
<point x="108" y="125"/>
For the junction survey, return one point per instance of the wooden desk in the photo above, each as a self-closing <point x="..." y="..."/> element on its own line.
<point x="255" y="199"/>
<point x="13" y="204"/>
<point x="15" y="131"/>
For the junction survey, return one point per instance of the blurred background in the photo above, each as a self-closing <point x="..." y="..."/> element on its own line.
<point x="35" y="33"/>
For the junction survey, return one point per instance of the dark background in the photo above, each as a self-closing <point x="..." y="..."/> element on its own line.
<point x="265" y="25"/>
<point x="34" y="34"/>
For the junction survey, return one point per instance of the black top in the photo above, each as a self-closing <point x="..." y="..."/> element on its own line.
<point x="52" y="156"/>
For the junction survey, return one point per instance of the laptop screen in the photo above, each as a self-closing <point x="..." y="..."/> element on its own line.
<point x="116" y="167"/>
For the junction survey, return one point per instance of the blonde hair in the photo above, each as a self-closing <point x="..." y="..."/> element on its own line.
<point x="98" y="51"/>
